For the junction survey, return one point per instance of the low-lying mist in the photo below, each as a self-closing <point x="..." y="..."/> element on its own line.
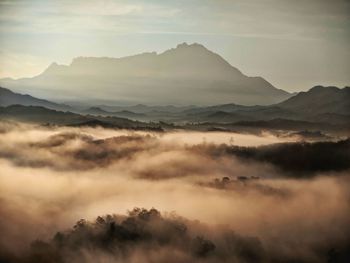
<point x="213" y="202"/>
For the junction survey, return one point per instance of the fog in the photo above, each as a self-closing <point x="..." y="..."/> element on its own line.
<point x="224" y="207"/>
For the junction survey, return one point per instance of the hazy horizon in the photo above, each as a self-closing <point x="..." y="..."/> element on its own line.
<point x="294" y="46"/>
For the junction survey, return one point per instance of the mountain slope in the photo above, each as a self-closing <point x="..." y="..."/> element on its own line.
<point x="187" y="74"/>
<point x="122" y="114"/>
<point x="320" y="100"/>
<point x="42" y="115"/>
<point x="7" y="97"/>
<point x="319" y="104"/>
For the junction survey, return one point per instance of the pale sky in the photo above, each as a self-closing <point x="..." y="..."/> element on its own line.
<point x="294" y="44"/>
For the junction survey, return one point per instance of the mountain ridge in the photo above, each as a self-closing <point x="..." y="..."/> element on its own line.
<point x="324" y="99"/>
<point x="8" y="97"/>
<point x="289" y="115"/>
<point x="187" y="74"/>
<point x="321" y="103"/>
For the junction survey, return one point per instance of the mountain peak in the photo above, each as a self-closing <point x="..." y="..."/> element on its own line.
<point x="193" y="45"/>
<point x="182" y="45"/>
<point x="188" y="49"/>
<point x="53" y="65"/>
<point x="323" y="88"/>
<point x="54" y="68"/>
<point x="321" y="99"/>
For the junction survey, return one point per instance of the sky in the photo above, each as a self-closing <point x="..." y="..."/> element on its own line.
<point x="293" y="44"/>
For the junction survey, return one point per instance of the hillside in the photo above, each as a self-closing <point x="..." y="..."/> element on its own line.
<point x="320" y="100"/>
<point x="41" y="115"/>
<point x="7" y="98"/>
<point x="319" y="104"/>
<point x="122" y="114"/>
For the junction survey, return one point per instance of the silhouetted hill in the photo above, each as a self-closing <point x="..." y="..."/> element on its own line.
<point x="320" y="108"/>
<point x="96" y="111"/>
<point x="41" y="115"/>
<point x="38" y="114"/>
<point x="283" y="124"/>
<point x="304" y="158"/>
<point x="123" y="114"/>
<point x="187" y="74"/>
<point x="7" y="97"/>
<point x="129" y="114"/>
<point x="318" y="105"/>
<point x="141" y="108"/>
<point x="320" y="100"/>
<point x="315" y="108"/>
<point x="216" y="116"/>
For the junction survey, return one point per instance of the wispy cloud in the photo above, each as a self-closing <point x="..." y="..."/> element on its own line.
<point x="79" y="16"/>
<point x="268" y="17"/>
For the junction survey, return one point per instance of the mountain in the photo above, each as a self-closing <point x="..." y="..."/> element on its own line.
<point x="185" y="75"/>
<point x="141" y="108"/>
<point x="320" y="100"/>
<point x="39" y="114"/>
<point x="42" y="115"/>
<point x="319" y="104"/>
<point x="122" y="114"/>
<point x="129" y="114"/>
<point x="96" y="111"/>
<point x="7" y="97"/>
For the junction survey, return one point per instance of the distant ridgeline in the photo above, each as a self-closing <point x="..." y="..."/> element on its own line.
<point x="320" y="108"/>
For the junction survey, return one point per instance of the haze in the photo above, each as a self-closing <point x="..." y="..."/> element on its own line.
<point x="292" y="44"/>
<point x="51" y="177"/>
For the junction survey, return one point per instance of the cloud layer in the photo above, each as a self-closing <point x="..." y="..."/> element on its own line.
<point x="235" y="209"/>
